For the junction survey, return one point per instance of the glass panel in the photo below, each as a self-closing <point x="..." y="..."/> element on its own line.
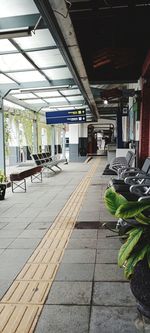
<point x="75" y="98"/>
<point x="5" y="46"/>
<point x="27" y="76"/>
<point x="35" y="101"/>
<point x="71" y="92"/>
<point x="47" y="58"/>
<point x="48" y="94"/>
<point x="41" y="38"/>
<point x="58" y="74"/>
<point x="23" y="96"/>
<point x="13" y="105"/>
<point x="5" y="79"/>
<point x="16" y="7"/>
<point x="55" y="100"/>
<point x="14" y="62"/>
<point x="66" y="108"/>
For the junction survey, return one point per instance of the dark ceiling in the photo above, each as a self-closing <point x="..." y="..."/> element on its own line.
<point x="113" y="36"/>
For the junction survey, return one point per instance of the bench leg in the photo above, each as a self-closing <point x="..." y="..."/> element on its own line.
<point x="21" y="185"/>
<point x="58" y="167"/>
<point x="50" y="168"/>
<point x="37" y="177"/>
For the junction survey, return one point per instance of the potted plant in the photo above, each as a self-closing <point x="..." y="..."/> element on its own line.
<point x="134" y="254"/>
<point x="3" y="185"/>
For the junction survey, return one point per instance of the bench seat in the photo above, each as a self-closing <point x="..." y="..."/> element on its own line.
<point x="34" y="173"/>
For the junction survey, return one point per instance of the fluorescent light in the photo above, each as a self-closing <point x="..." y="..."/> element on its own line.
<point x="34" y="90"/>
<point x="14" y="33"/>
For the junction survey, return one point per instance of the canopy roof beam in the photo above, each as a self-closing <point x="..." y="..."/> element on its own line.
<point x="47" y="13"/>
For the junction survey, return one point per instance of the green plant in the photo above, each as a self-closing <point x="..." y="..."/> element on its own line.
<point x="137" y="245"/>
<point x="3" y="178"/>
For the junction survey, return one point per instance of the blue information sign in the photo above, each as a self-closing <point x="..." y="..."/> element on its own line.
<point x="67" y="120"/>
<point x="66" y="113"/>
<point x="66" y="116"/>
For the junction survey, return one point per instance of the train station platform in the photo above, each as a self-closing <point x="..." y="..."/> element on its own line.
<point x="58" y="267"/>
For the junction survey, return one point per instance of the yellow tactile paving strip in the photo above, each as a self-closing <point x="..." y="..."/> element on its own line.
<point x="23" y="302"/>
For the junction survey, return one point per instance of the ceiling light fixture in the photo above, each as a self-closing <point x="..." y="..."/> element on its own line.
<point x="105" y="101"/>
<point x="52" y="88"/>
<point x="14" y="33"/>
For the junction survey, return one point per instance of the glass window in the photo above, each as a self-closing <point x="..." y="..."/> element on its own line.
<point x="16" y="61"/>
<point x="6" y="46"/>
<point x="75" y="98"/>
<point x="35" y="101"/>
<point x="23" y="96"/>
<point x="41" y="38"/>
<point x="5" y="79"/>
<point x="47" y="58"/>
<point x="48" y="94"/>
<point x="27" y="76"/>
<point x="17" y="7"/>
<point x="58" y="73"/>
<point x="54" y="101"/>
<point x="71" y="92"/>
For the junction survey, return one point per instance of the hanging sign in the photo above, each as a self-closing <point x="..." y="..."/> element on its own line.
<point x="66" y="116"/>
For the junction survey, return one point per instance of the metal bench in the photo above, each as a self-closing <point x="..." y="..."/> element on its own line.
<point x="47" y="161"/>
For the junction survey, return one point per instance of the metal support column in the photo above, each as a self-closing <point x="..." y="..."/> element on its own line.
<point x="2" y="138"/>
<point x="53" y="141"/>
<point x="119" y="127"/>
<point x="35" y="135"/>
<point x="63" y="144"/>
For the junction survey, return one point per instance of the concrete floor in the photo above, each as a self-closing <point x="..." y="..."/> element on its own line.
<point x="89" y="293"/>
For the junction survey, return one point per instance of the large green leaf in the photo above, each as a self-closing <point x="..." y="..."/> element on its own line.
<point x="133" y="260"/>
<point x="129" y="245"/>
<point x="131" y="209"/>
<point x="113" y="200"/>
<point x="148" y="256"/>
<point x="141" y="218"/>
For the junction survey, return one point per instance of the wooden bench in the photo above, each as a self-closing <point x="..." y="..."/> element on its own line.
<point x="19" y="179"/>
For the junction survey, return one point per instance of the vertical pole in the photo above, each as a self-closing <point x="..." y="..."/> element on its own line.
<point x="119" y="127"/>
<point x="2" y="138"/>
<point x="53" y="140"/>
<point x="63" y="144"/>
<point x="35" y="134"/>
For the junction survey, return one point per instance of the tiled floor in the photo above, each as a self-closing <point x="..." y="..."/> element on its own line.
<point x="89" y="293"/>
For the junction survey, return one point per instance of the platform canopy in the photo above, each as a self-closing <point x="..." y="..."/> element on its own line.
<point x="36" y="69"/>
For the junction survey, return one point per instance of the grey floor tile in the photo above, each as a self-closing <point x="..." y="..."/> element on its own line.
<point x="3" y="225"/>
<point x="109" y="243"/>
<point x="13" y="233"/>
<point x="75" y="272"/>
<point x="113" y="320"/>
<point x="84" y="234"/>
<point x="24" y="243"/>
<point x="84" y="243"/>
<point x="32" y="234"/>
<point x="5" y="242"/>
<point x="79" y="256"/>
<point x="39" y="226"/>
<point x="63" y="319"/>
<point x="108" y="272"/>
<point x="88" y="216"/>
<point x="113" y="293"/>
<point x="105" y="256"/>
<point x="17" y="226"/>
<point x="11" y="262"/>
<point x="4" y="285"/>
<point x="70" y="293"/>
<point x="104" y="233"/>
